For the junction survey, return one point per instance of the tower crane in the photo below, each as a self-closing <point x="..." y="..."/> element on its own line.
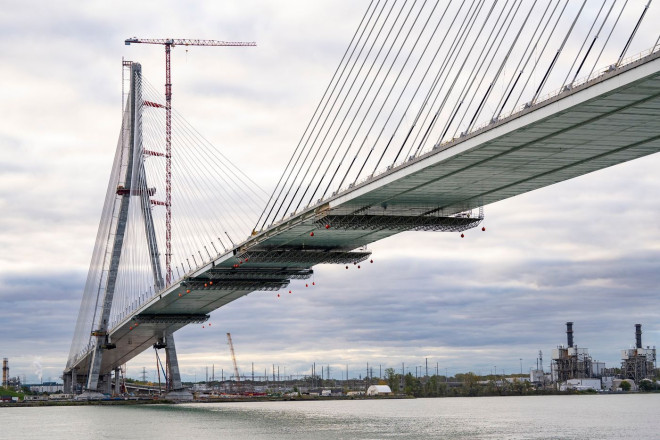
<point x="169" y="43"/>
<point x="233" y="358"/>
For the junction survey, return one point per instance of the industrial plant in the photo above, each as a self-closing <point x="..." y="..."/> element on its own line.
<point x="573" y="367"/>
<point x="571" y="362"/>
<point x="9" y="382"/>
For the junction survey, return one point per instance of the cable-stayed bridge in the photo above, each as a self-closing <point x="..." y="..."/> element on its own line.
<point x="434" y="111"/>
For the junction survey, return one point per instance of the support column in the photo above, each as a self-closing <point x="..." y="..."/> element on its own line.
<point x="66" y="377"/>
<point x="107" y="383"/>
<point x="117" y="382"/>
<point x="74" y="381"/>
<point x="95" y="367"/>
<point x="173" y="374"/>
<point x="174" y="388"/>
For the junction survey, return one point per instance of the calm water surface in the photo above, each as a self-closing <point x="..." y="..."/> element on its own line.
<point x="530" y="417"/>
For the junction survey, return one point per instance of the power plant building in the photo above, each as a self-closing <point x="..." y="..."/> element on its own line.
<point x="573" y="367"/>
<point x="571" y="362"/>
<point x="638" y="363"/>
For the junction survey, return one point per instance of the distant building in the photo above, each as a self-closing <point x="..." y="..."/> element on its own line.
<point x="598" y="368"/>
<point x="571" y="362"/>
<point x="379" y="390"/>
<point x="34" y="398"/>
<point x="325" y="392"/>
<point x="638" y="363"/>
<point x="14" y="382"/>
<point x="581" y="385"/>
<point x="60" y="396"/>
<point x="616" y="384"/>
<point x="607" y="382"/>
<point x="517" y="379"/>
<point x="337" y="392"/>
<point x="537" y="376"/>
<point x="201" y="387"/>
<point x="355" y="393"/>
<point x="46" y="387"/>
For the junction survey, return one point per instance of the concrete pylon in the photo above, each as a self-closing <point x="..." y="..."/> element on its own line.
<point x="175" y="390"/>
<point x="117" y="382"/>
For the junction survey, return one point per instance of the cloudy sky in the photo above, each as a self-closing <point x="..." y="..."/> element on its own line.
<point x="587" y="250"/>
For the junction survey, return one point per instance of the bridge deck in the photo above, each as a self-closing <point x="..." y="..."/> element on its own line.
<point x="607" y="121"/>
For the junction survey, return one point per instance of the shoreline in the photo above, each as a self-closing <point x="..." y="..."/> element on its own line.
<point x="146" y="401"/>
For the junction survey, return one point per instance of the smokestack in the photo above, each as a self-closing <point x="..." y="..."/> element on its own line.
<point x="569" y="333"/>
<point x="638" y="335"/>
<point x="5" y="372"/>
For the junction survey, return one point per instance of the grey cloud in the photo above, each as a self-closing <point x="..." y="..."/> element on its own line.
<point x="37" y="318"/>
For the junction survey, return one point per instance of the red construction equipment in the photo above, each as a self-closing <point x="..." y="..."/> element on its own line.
<point x="233" y="358"/>
<point x="169" y="43"/>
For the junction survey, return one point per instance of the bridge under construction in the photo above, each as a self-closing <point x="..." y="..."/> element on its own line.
<point x="362" y="170"/>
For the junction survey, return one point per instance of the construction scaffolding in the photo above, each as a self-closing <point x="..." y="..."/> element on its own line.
<point x="400" y="219"/>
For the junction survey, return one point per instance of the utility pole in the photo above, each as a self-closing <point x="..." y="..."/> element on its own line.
<point x="169" y="43"/>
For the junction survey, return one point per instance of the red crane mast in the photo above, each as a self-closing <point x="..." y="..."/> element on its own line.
<point x="170" y="43"/>
<point x="233" y="359"/>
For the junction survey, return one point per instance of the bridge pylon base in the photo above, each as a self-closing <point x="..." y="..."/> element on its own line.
<point x="90" y="395"/>
<point x="179" y="395"/>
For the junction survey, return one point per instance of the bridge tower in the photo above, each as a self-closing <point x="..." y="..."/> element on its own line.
<point x="128" y="186"/>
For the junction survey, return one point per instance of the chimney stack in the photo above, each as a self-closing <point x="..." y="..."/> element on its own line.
<point x="569" y="333"/>
<point x="638" y="335"/>
<point x="5" y="372"/>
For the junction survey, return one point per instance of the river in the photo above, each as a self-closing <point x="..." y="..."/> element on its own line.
<point x="629" y="416"/>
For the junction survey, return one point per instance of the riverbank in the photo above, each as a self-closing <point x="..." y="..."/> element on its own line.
<point x="302" y="398"/>
<point x="147" y="401"/>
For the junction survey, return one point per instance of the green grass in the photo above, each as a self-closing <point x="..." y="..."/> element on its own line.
<point x="9" y="392"/>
